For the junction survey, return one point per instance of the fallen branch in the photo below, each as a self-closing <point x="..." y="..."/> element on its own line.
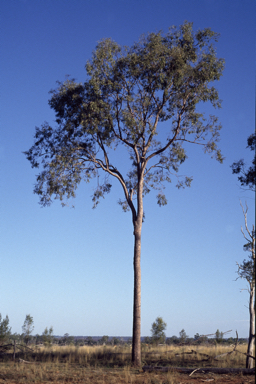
<point x="194" y="371"/>
<point x="234" y="350"/>
<point x="24" y="346"/>
<point x="27" y="362"/>
<point x="216" y="357"/>
<point x="246" y="354"/>
<point x="229" y="353"/>
<point x="220" y="371"/>
<point x="20" y="346"/>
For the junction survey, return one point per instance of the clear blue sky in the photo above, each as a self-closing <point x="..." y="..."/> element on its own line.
<point x="73" y="268"/>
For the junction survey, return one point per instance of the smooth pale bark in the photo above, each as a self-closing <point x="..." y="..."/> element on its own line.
<point x="136" y="342"/>
<point x="248" y="274"/>
<point x="251" y="342"/>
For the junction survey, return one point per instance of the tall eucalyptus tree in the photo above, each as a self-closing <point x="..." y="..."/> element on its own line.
<point x="128" y="93"/>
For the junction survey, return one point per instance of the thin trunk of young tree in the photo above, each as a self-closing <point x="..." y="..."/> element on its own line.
<point x="247" y="271"/>
<point x="251" y="342"/>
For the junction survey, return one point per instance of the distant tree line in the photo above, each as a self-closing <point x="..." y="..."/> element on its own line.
<point x="26" y="336"/>
<point x="157" y="336"/>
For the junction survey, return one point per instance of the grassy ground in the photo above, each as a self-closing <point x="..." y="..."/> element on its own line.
<point x="113" y="365"/>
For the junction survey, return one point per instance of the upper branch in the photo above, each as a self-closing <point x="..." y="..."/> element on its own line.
<point x="245" y="220"/>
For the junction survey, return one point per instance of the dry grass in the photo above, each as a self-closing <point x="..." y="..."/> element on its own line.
<point x="182" y="356"/>
<point x="70" y="373"/>
<point x="111" y="365"/>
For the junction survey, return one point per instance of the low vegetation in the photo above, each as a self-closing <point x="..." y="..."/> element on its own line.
<point x="112" y="364"/>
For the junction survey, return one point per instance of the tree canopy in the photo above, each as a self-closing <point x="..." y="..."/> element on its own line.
<point x="5" y="330"/>
<point x="183" y="336"/>
<point x="129" y="91"/>
<point x="157" y="331"/>
<point x="47" y="335"/>
<point x="28" y="327"/>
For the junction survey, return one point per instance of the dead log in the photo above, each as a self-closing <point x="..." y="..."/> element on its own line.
<point x="219" y="371"/>
<point x="28" y="362"/>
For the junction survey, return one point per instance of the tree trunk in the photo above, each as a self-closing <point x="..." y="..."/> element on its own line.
<point x="136" y="342"/>
<point x="137" y="225"/>
<point x="14" y="350"/>
<point x="251" y="341"/>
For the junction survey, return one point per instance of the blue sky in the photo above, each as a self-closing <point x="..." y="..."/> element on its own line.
<point x="73" y="268"/>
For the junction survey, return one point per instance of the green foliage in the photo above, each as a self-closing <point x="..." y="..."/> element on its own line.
<point x="28" y="328"/>
<point x="200" y="339"/>
<point x="157" y="331"/>
<point x="115" y="341"/>
<point x="218" y="336"/>
<point x="247" y="177"/>
<point x="5" y="330"/>
<point x="89" y="341"/>
<point x="172" y="340"/>
<point x="147" y="340"/>
<point x="16" y="336"/>
<point x="183" y="336"/>
<point x="47" y="336"/>
<point x="67" y="339"/>
<point x="128" y="94"/>
<point x="104" y="340"/>
<point x="246" y="270"/>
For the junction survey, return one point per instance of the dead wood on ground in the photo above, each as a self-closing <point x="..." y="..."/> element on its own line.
<point x="219" y="371"/>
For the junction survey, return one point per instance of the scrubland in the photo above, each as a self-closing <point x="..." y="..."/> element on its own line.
<point x="107" y="364"/>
